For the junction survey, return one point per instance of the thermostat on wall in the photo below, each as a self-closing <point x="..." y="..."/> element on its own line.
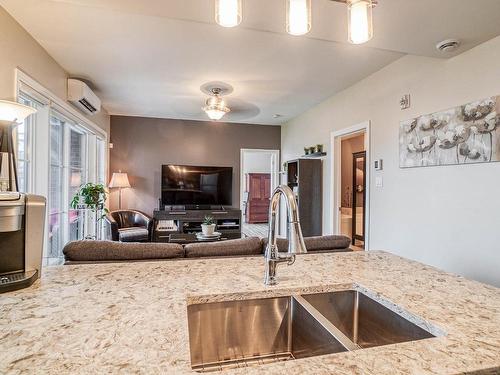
<point x="378" y="164"/>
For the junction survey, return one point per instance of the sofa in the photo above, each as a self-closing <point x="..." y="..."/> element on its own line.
<point x="88" y="251"/>
<point x="317" y="244"/>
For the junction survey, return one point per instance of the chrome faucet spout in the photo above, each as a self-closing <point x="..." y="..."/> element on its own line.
<point x="295" y="239"/>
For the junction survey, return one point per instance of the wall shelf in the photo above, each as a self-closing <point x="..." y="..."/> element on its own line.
<point x="315" y="155"/>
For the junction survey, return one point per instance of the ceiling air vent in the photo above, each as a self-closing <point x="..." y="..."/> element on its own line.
<point x="448" y="45"/>
<point x="87" y="105"/>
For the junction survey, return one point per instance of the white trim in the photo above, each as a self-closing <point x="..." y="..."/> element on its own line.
<point x="335" y="194"/>
<point x="40" y="164"/>
<point x="22" y="77"/>
<point x="275" y="176"/>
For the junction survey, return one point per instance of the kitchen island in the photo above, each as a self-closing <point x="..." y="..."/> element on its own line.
<point x="132" y="317"/>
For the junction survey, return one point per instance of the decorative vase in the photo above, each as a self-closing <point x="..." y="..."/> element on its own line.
<point x="319" y="148"/>
<point x="208" y="230"/>
<point x="88" y="216"/>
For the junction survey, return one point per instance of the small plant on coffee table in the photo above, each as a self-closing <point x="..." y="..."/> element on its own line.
<point x="208" y="220"/>
<point x="208" y="226"/>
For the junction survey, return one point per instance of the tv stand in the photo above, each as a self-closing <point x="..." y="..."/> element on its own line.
<point x="194" y="207"/>
<point x="228" y="221"/>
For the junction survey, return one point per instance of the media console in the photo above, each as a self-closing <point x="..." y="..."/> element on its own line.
<point x="189" y="221"/>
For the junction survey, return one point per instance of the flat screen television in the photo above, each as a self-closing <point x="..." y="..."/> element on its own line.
<point x="196" y="186"/>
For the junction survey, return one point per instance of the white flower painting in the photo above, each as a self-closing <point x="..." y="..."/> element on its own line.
<point x="462" y="135"/>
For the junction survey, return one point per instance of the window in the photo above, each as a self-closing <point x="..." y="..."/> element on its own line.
<point x="101" y="161"/>
<point x="56" y="198"/>
<point x="68" y="171"/>
<point x="58" y="150"/>
<point x="77" y="177"/>
<point x="22" y="139"/>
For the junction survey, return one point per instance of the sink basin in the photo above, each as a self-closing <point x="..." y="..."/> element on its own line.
<point x="240" y="333"/>
<point x="366" y="322"/>
<point x="257" y="331"/>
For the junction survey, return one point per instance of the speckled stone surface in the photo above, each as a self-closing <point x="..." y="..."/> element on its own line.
<point x="131" y="317"/>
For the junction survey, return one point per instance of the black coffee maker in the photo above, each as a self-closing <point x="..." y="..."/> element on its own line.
<point x="22" y="216"/>
<point x="22" y="219"/>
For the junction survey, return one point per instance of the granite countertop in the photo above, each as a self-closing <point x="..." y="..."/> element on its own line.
<point x="131" y="317"/>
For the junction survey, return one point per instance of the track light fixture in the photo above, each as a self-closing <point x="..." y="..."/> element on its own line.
<point x="360" y="21"/>
<point x="228" y="13"/>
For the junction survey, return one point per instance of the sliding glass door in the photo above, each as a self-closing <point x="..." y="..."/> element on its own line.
<point x="57" y="153"/>
<point x="77" y="174"/>
<point x="68" y="171"/>
<point x="55" y="205"/>
<point x="101" y="160"/>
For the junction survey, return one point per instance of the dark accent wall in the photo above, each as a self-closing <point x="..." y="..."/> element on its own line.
<point x="141" y="145"/>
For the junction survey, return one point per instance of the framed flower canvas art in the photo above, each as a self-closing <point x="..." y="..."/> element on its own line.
<point x="462" y="135"/>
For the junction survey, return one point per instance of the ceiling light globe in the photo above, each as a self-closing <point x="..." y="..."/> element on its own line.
<point x="298" y="17"/>
<point x="360" y="21"/>
<point x="215" y="114"/>
<point x="228" y="12"/>
<point x="215" y="108"/>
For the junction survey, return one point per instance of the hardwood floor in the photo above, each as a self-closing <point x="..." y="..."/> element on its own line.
<point x="255" y="230"/>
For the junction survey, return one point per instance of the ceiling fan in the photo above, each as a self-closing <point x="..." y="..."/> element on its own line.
<point x="220" y="104"/>
<point x="217" y="102"/>
<point x="215" y="107"/>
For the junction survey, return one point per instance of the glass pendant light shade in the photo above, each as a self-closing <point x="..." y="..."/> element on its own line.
<point x="298" y="17"/>
<point x="228" y="12"/>
<point x="215" y="108"/>
<point x="359" y="13"/>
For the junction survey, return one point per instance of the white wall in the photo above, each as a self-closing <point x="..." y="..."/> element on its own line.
<point x="257" y="162"/>
<point x="19" y="50"/>
<point x="447" y="216"/>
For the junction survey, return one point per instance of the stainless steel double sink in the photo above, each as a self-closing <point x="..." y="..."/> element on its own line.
<point x="240" y="333"/>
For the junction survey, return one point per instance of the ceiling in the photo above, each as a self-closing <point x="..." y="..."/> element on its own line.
<point x="150" y="57"/>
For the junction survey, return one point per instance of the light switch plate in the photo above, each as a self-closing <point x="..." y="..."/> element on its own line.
<point x="405" y="102"/>
<point x="379" y="181"/>
<point x="378" y="164"/>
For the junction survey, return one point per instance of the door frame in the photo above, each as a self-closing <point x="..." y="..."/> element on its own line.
<point x="274" y="168"/>
<point x="336" y="180"/>
<point x="354" y="236"/>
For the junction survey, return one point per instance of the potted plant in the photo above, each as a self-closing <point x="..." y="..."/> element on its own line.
<point x="208" y="226"/>
<point x="91" y="197"/>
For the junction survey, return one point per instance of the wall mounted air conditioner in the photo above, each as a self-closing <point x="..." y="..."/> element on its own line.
<point x="83" y="97"/>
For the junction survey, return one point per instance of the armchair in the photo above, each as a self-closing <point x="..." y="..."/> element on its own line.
<point x="129" y="226"/>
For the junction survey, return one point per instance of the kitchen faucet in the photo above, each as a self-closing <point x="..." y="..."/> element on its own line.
<point x="295" y="239"/>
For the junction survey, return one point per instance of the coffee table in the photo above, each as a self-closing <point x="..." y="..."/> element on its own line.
<point x="187" y="238"/>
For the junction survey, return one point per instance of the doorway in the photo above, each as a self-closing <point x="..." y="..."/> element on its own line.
<point x="358" y="183"/>
<point x="350" y="177"/>
<point x="259" y="177"/>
